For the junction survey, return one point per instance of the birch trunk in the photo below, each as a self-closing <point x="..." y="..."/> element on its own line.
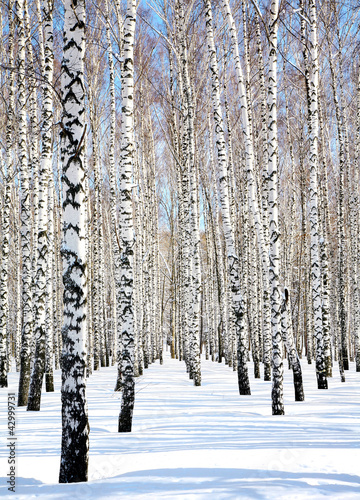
<point x="232" y="257"/>
<point x="355" y="235"/>
<point x="277" y="355"/>
<point x="190" y="193"/>
<point x="4" y="306"/>
<point x="43" y="270"/>
<point x="341" y="221"/>
<point x="314" y="222"/>
<point x="262" y="235"/>
<point x="325" y="271"/>
<point x="288" y="339"/>
<point x="27" y="274"/>
<point x="267" y="347"/>
<point x="75" y="427"/>
<point x="113" y="190"/>
<point x="51" y="273"/>
<point x="5" y="223"/>
<point x="126" y="223"/>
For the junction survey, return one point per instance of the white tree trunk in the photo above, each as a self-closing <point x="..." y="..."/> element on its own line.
<point x="50" y="277"/>
<point x="288" y="339"/>
<point x="277" y="355"/>
<point x="4" y="306"/>
<point x="126" y="232"/>
<point x="232" y="257"/>
<point x="343" y="354"/>
<point x="42" y="269"/>
<point x="262" y="233"/>
<point x="355" y="235"/>
<point x="314" y="217"/>
<point x="27" y="274"/>
<point x="75" y="427"/>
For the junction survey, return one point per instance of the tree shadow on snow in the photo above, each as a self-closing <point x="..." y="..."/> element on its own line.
<point x="204" y="483"/>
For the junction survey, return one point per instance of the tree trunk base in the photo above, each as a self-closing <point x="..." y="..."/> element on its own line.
<point x="322" y="381"/>
<point x="49" y="382"/>
<point x="243" y="380"/>
<point x="125" y="421"/>
<point x="257" y="369"/>
<point x="267" y="372"/>
<point x="298" y="387"/>
<point x="197" y="379"/>
<point x="33" y="406"/>
<point x="278" y="410"/>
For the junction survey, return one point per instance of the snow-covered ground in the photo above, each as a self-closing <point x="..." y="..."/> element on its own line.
<point x="196" y="442"/>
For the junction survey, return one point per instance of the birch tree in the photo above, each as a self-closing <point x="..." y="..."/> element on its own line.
<point x="75" y="426"/>
<point x="8" y="173"/>
<point x="126" y="231"/>
<point x="274" y="253"/>
<point x="26" y="254"/>
<point x="43" y="269"/>
<point x="4" y="306"/>
<point x="261" y="231"/>
<point x="314" y="222"/>
<point x="232" y="257"/>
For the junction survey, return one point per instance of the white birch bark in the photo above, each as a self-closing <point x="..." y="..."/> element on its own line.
<point x="262" y="234"/>
<point x="221" y="329"/>
<point x="59" y="288"/>
<point x="5" y="209"/>
<point x="11" y="91"/>
<point x="126" y="232"/>
<point x="344" y="358"/>
<point x="58" y="285"/>
<point x="33" y="133"/>
<point x="4" y="301"/>
<point x="157" y="323"/>
<point x="138" y="278"/>
<point x="184" y="207"/>
<point x="42" y="261"/>
<point x="314" y="247"/>
<point x="97" y="240"/>
<point x="314" y="217"/>
<point x="254" y="313"/>
<point x="325" y="270"/>
<point x="40" y="34"/>
<point x="27" y="274"/>
<point x="232" y="257"/>
<point x="355" y="247"/>
<point x="247" y="135"/>
<point x="90" y="358"/>
<point x="17" y="247"/>
<point x="267" y="348"/>
<point x="146" y="257"/>
<point x="274" y="231"/>
<point x="306" y="295"/>
<point x="51" y="274"/>
<point x="75" y="427"/>
<point x="112" y="179"/>
<point x="193" y="288"/>
<point x="288" y="339"/>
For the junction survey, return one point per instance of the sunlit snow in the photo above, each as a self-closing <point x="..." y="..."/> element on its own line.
<point x="197" y="442"/>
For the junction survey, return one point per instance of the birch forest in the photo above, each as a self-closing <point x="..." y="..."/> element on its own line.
<point x="177" y="176"/>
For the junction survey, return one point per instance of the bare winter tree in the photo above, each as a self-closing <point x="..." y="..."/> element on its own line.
<point x="126" y="224"/>
<point x="75" y="427"/>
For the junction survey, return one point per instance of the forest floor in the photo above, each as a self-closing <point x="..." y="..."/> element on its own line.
<point x="196" y="442"/>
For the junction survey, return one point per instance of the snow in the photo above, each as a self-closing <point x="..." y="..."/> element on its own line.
<point x="196" y="442"/>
